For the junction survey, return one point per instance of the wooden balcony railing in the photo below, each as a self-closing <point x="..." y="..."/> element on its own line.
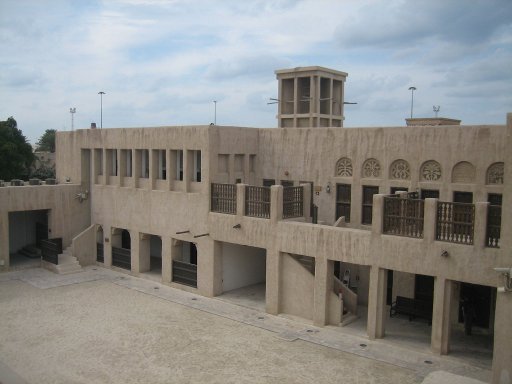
<point x="492" y="238"/>
<point x="257" y="202"/>
<point x="223" y="198"/>
<point x="455" y="222"/>
<point x="403" y="217"/>
<point x="293" y="202"/>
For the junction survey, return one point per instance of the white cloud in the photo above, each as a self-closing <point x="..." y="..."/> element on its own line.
<point x="163" y="62"/>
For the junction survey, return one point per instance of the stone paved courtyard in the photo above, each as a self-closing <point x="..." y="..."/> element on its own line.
<point x="100" y="326"/>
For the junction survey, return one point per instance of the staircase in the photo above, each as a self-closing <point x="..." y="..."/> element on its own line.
<point x="67" y="263"/>
<point x="337" y="315"/>
<point x="349" y="302"/>
<point x="30" y="251"/>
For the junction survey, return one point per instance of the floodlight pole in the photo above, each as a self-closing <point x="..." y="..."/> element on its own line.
<point x="72" y="111"/>
<point x="412" y="89"/>
<point x="215" y="113"/>
<point x="101" y="93"/>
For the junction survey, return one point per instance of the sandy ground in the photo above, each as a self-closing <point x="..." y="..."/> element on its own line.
<point x="100" y="332"/>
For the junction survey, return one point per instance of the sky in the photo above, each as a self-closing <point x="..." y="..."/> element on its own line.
<point x="164" y="62"/>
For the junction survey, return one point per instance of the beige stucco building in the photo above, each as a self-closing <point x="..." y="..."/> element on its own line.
<point x="311" y="209"/>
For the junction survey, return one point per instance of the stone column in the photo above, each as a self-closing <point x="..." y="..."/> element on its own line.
<point x="231" y="169"/>
<point x="429" y="221"/>
<point x="168" y="251"/>
<point x="121" y="166"/>
<point x="136" y="166"/>
<point x="273" y="265"/>
<point x="276" y="203"/>
<point x="306" y="203"/>
<point x="105" y="170"/>
<point x="141" y="259"/>
<point x="377" y="302"/>
<point x="112" y="239"/>
<point x="240" y="200"/>
<point x="480" y="227"/>
<point x="153" y="168"/>
<point x="209" y="267"/>
<point x="188" y="164"/>
<point x="134" y="252"/>
<point x="502" y="354"/>
<point x="324" y="272"/>
<point x="441" y="313"/>
<point x="168" y="169"/>
<point x="377" y="213"/>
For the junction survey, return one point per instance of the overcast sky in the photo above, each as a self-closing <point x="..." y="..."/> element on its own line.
<point x="163" y="62"/>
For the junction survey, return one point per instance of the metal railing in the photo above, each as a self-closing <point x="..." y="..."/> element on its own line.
<point x="455" y="222"/>
<point x="121" y="258"/>
<point x="492" y="238"/>
<point x="50" y="250"/>
<point x="184" y="273"/>
<point x="223" y="198"/>
<point x="99" y="253"/>
<point x="257" y="202"/>
<point x="293" y="202"/>
<point x="403" y="217"/>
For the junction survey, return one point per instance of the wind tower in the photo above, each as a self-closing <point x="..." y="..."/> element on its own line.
<point x="310" y="97"/>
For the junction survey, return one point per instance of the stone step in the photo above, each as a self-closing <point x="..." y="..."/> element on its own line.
<point x="348" y="318"/>
<point x="64" y="269"/>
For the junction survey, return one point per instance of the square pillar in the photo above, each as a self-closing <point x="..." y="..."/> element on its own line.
<point x="188" y="165"/>
<point x="209" y="267"/>
<point x="377" y="310"/>
<point x="273" y="277"/>
<point x="136" y="165"/>
<point x="480" y="228"/>
<point x="170" y="250"/>
<point x="121" y="166"/>
<point x="429" y="220"/>
<point x="306" y="205"/>
<point x="441" y="314"/>
<point x="240" y="200"/>
<point x="105" y="170"/>
<point x="324" y="272"/>
<point x="276" y="203"/>
<point x="140" y="244"/>
<point x="153" y="168"/>
<point x="377" y="213"/>
<point x="502" y="353"/>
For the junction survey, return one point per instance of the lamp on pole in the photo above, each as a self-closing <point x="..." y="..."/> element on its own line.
<point x="215" y="113"/>
<point x="72" y="111"/>
<point x="412" y="89"/>
<point x="101" y="93"/>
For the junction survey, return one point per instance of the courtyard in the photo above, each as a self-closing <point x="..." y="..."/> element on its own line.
<point x="101" y="326"/>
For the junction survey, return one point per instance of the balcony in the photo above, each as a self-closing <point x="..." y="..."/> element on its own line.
<point x="468" y="224"/>
<point x="278" y="202"/>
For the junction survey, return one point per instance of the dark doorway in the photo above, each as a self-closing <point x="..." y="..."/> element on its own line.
<point x="480" y="297"/>
<point x="463" y="197"/>
<point x="125" y="239"/>
<point x="389" y="288"/>
<point x="424" y="288"/>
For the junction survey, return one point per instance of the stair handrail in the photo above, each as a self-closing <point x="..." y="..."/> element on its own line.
<point x="349" y="296"/>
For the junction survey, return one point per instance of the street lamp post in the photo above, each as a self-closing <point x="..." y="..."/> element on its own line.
<point x="101" y="93"/>
<point x="215" y="113"/>
<point x="72" y="111"/>
<point x="412" y="89"/>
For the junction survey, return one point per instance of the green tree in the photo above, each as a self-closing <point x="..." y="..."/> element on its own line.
<point x="16" y="155"/>
<point x="47" y="141"/>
